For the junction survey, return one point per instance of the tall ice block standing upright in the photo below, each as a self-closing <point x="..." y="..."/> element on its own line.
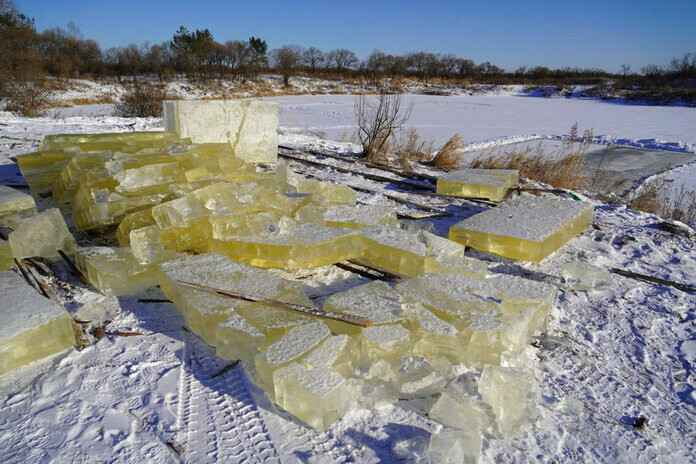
<point x="249" y="126"/>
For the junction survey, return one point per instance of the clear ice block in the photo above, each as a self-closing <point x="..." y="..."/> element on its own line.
<point x="528" y="228"/>
<point x="115" y="271"/>
<point x="339" y="353"/>
<point x="513" y="395"/>
<point x="450" y="446"/>
<point x="585" y="277"/>
<point x="42" y="235"/>
<point x="14" y="203"/>
<point x="293" y="246"/>
<point x="389" y="342"/>
<point x="459" y="414"/>
<point x="436" y="337"/>
<point x="354" y="217"/>
<point x="32" y="326"/>
<point x="292" y="346"/>
<point x="491" y="184"/>
<point x="318" y="396"/>
<point x="375" y="300"/>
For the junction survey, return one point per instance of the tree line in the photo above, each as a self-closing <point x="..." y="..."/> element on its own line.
<point x="64" y="53"/>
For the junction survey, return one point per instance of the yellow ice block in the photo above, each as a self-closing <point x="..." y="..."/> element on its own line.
<point x="389" y="342"/>
<point x="41" y="168"/>
<point x="6" y="258"/>
<point x="184" y="224"/>
<point x="354" y="217"/>
<point x="236" y="339"/>
<point x="318" y="396"/>
<point x="436" y="337"/>
<point x="68" y="182"/>
<point x="15" y="204"/>
<point x="326" y="193"/>
<point x="375" y="300"/>
<point x="63" y="140"/>
<point x="293" y="247"/>
<point x="146" y="244"/>
<point x="148" y="180"/>
<point x="32" y="326"/>
<point x="340" y="353"/>
<point x="527" y="228"/>
<point x="132" y="221"/>
<point x="491" y="184"/>
<point x="204" y="311"/>
<point x="100" y="207"/>
<point x="42" y="235"/>
<point x="115" y="271"/>
<point x="292" y="346"/>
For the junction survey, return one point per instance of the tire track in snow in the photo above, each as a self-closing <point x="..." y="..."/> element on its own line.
<point x="219" y="420"/>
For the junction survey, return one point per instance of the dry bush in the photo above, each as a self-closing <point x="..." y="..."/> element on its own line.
<point x="378" y="118"/>
<point x="448" y="156"/>
<point x="26" y="98"/>
<point x="410" y="148"/>
<point x="655" y="198"/>
<point x="143" y="100"/>
<point x="563" y="169"/>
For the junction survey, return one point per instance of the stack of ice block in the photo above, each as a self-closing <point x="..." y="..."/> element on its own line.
<point x="43" y="234"/>
<point x="490" y="184"/>
<point x="527" y="228"/>
<point x="14" y="206"/>
<point x="32" y="326"/>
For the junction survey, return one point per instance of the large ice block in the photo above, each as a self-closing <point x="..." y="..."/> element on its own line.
<point x="375" y="300"/>
<point x="292" y="246"/>
<point x="436" y="337"/>
<point x="146" y="245"/>
<point x="491" y="184"/>
<point x="148" y="180"/>
<point x="101" y="208"/>
<point x="339" y="353"/>
<point x="68" y="182"/>
<point x="14" y="203"/>
<point x="327" y="193"/>
<point x="6" y="258"/>
<point x="32" y="326"/>
<point x="183" y="224"/>
<point x="527" y="228"/>
<point x="131" y="222"/>
<point x="236" y="338"/>
<point x="463" y="436"/>
<point x="41" y="168"/>
<point x="249" y="126"/>
<point x="355" y="217"/>
<point x="412" y="253"/>
<point x="317" y="396"/>
<point x="292" y="346"/>
<point x="513" y="394"/>
<point x="389" y="342"/>
<point x="115" y="271"/>
<point x="42" y="235"/>
<point x="450" y="446"/>
<point x="54" y="141"/>
<point x="203" y="311"/>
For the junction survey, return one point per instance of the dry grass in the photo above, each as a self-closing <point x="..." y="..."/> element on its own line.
<point x="448" y="156"/>
<point x="655" y="198"/>
<point x="143" y="100"/>
<point x="410" y="148"/>
<point x="563" y="169"/>
<point x="104" y="99"/>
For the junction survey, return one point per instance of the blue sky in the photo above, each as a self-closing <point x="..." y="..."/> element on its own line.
<point x="589" y="33"/>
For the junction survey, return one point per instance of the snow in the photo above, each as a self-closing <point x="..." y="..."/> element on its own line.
<point x="610" y="355"/>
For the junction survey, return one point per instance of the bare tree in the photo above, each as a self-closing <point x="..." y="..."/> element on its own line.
<point x="377" y="118"/>
<point x="286" y="60"/>
<point x="313" y="59"/>
<point x="341" y="60"/>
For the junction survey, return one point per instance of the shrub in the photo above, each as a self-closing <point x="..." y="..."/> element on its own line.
<point x="448" y="156"/>
<point x="26" y="98"/>
<point x="142" y="100"/>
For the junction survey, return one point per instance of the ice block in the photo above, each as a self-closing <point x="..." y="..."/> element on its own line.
<point x="527" y="228"/>
<point x="338" y="353"/>
<point x="68" y="182"/>
<point x="436" y="337"/>
<point x="32" y="326"/>
<point x="6" y="258"/>
<point x="250" y="127"/>
<point x="585" y="277"/>
<point x="41" y="168"/>
<point x="375" y="300"/>
<point x="450" y="446"/>
<point x="318" y="396"/>
<point x="513" y="395"/>
<point x="115" y="271"/>
<point x="132" y="221"/>
<point x="14" y="203"/>
<point x="292" y="246"/>
<point x="327" y="193"/>
<point x="148" y="180"/>
<point x="236" y="338"/>
<point x="95" y="208"/>
<point x="183" y="224"/>
<point x="390" y="342"/>
<point x="491" y="184"/>
<point x="415" y="376"/>
<point x="203" y="311"/>
<point x="42" y="235"/>
<point x="354" y="217"/>
<point x="146" y="245"/>
<point x="65" y="140"/>
<point x="292" y="346"/>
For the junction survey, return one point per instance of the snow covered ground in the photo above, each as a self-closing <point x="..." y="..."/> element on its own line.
<point x="611" y="355"/>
